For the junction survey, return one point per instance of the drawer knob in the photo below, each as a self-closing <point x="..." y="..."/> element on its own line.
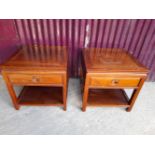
<point x="115" y="82"/>
<point x="35" y="79"/>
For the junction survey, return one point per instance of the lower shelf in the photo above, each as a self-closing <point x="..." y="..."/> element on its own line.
<point x="107" y="97"/>
<point x="41" y="96"/>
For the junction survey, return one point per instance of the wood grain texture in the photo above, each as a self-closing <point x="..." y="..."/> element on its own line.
<point x="42" y="96"/>
<point x="113" y="82"/>
<point x="110" y="70"/>
<point x="111" y="60"/>
<point x="107" y="97"/>
<point x="35" y="79"/>
<point x="38" y="66"/>
<point x="38" y="58"/>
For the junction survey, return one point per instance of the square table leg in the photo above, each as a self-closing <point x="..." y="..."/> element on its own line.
<point x="85" y="94"/>
<point x="65" y="92"/>
<point x="134" y="95"/>
<point x="11" y="92"/>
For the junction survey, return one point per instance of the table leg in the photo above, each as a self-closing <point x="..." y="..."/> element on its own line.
<point x="134" y="95"/>
<point x="65" y="93"/>
<point x="11" y="92"/>
<point x="85" y="94"/>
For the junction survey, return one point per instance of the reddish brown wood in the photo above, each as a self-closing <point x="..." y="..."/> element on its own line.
<point x="36" y="95"/>
<point x="135" y="94"/>
<point x="65" y="91"/>
<point x="11" y="91"/>
<point x="32" y="79"/>
<point x="113" y="81"/>
<point x="85" y="95"/>
<point x="110" y="71"/>
<point x="44" y="68"/>
<point x="107" y="97"/>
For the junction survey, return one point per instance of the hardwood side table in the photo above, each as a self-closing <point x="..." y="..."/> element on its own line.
<point x="105" y="73"/>
<point x="42" y="71"/>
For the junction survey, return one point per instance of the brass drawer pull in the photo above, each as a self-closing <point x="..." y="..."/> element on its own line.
<point x="35" y="79"/>
<point x="115" y="82"/>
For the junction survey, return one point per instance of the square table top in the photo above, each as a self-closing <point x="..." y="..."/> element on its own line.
<point x="38" y="57"/>
<point x="111" y="60"/>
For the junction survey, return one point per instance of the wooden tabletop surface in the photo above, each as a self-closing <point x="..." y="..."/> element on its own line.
<point x="111" y="60"/>
<point x="38" y="57"/>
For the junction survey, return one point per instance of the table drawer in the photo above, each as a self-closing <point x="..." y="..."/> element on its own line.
<point x="30" y="79"/>
<point x="114" y="82"/>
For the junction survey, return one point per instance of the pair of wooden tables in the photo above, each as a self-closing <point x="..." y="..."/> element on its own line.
<point x="42" y="71"/>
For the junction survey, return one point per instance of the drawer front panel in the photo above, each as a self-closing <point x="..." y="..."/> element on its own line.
<point x="114" y="82"/>
<point x="35" y="79"/>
